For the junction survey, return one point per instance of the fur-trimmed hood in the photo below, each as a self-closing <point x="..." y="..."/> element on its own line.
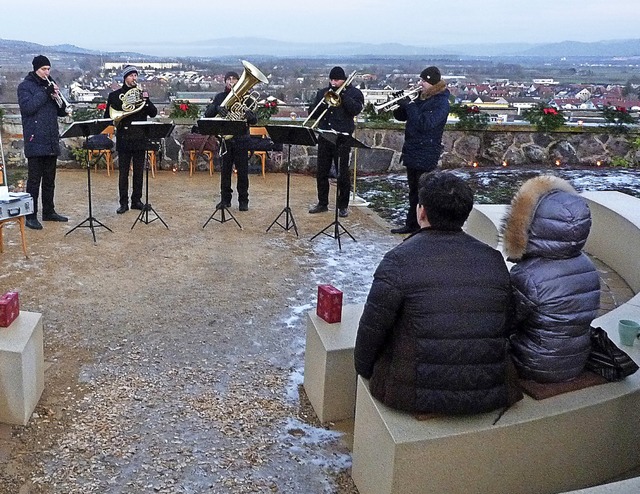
<point x="547" y="218"/>
<point x="437" y="88"/>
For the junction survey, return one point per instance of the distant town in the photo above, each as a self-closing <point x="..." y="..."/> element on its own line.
<point x="502" y="90"/>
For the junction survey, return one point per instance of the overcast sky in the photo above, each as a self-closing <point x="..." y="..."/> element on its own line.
<point x="130" y="25"/>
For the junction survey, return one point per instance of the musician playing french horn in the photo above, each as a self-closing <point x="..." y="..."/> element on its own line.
<point x="235" y="149"/>
<point x="335" y="107"/>
<point x="40" y="106"/>
<point x="125" y="105"/>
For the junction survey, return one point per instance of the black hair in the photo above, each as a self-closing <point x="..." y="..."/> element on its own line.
<point x="447" y="200"/>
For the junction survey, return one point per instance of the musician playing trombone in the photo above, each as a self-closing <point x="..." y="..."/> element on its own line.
<point x="40" y="106"/>
<point x="130" y="103"/>
<point x="235" y="149"/>
<point x="426" y="116"/>
<point x="339" y="118"/>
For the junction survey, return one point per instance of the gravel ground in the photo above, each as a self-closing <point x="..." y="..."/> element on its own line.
<point x="174" y="356"/>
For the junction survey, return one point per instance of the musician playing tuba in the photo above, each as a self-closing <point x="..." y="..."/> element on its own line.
<point x="125" y="105"/>
<point x="235" y="149"/>
<point x="335" y="106"/>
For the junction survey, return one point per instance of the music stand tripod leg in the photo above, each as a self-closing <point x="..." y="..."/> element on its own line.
<point x="338" y="228"/>
<point x="290" y="222"/>
<point x="90" y="219"/>
<point x="143" y="217"/>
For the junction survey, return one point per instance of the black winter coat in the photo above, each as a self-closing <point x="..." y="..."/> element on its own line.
<point x="339" y="118"/>
<point x="425" y="119"/>
<point x="432" y="337"/>
<point x="39" y="117"/>
<point x="127" y="138"/>
<point x="213" y="109"/>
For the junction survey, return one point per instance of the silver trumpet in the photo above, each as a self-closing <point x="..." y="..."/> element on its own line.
<point x="392" y="103"/>
<point x="58" y="97"/>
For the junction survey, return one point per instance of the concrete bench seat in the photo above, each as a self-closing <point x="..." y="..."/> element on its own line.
<point x="571" y="441"/>
<point x="21" y="368"/>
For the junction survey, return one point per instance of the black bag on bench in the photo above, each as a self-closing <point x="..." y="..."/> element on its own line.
<point x="606" y="359"/>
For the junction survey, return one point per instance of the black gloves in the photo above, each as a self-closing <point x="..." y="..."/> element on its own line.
<point x="222" y="111"/>
<point x="50" y="89"/>
<point x="404" y="102"/>
<point x="249" y="115"/>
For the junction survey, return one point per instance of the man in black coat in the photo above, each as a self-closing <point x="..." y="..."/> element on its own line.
<point x="235" y="150"/>
<point x="426" y="117"/>
<point x="40" y="106"/>
<point x="130" y="144"/>
<point x="340" y="119"/>
<point x="432" y="336"/>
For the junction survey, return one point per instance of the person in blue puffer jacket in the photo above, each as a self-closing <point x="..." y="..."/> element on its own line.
<point x="556" y="287"/>
<point x="426" y="117"/>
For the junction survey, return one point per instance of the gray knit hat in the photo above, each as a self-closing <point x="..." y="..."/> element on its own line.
<point x="128" y="70"/>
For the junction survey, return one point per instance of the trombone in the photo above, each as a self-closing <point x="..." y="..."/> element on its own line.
<point x="331" y="98"/>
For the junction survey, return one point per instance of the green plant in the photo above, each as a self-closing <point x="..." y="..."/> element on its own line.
<point x="544" y="117"/>
<point x="371" y="115"/>
<point x="621" y="162"/>
<point x="89" y="113"/>
<point x="470" y="117"/>
<point x="617" y="118"/>
<point x="184" y="109"/>
<point x="267" y="109"/>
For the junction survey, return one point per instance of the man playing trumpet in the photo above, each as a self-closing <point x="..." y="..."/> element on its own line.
<point x="426" y="117"/>
<point x="37" y="96"/>
<point x="339" y="118"/>
<point x="131" y="147"/>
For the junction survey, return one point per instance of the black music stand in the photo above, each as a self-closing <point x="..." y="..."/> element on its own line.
<point x="347" y="141"/>
<point x="289" y="134"/>
<point x="152" y="132"/>
<point x="220" y="128"/>
<point x="85" y="129"/>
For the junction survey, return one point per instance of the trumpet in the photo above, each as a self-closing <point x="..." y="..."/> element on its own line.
<point x="331" y="99"/>
<point x="392" y="103"/>
<point x="58" y="97"/>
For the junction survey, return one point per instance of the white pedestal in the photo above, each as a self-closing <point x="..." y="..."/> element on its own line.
<point x="329" y="372"/>
<point x="21" y="368"/>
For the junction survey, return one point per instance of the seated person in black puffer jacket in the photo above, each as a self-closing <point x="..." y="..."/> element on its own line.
<point x="433" y="334"/>
<point x="556" y="287"/>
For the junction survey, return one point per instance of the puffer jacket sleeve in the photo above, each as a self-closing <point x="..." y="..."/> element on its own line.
<point x="378" y="318"/>
<point x="433" y="113"/>
<point x="31" y="98"/>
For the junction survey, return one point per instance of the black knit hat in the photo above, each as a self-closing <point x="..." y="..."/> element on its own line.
<point x="40" y="61"/>
<point x="337" y="73"/>
<point x="431" y="75"/>
<point x="231" y="73"/>
<point x="129" y="69"/>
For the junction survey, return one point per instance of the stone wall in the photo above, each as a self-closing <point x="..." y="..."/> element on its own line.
<point x="518" y="146"/>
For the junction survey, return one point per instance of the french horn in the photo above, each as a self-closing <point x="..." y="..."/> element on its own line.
<point x="132" y="102"/>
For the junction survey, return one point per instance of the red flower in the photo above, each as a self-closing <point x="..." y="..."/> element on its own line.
<point x="184" y="106"/>
<point x="101" y="106"/>
<point x="550" y="111"/>
<point x="621" y="109"/>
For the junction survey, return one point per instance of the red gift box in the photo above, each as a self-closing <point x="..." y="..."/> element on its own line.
<point x="329" y="303"/>
<point x="9" y="308"/>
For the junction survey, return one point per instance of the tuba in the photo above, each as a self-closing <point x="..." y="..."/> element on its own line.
<point x="239" y="98"/>
<point x="132" y="102"/>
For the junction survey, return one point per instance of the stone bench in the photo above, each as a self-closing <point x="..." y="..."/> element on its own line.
<point x="570" y="441"/>
<point x="21" y="368"/>
<point x="329" y="373"/>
